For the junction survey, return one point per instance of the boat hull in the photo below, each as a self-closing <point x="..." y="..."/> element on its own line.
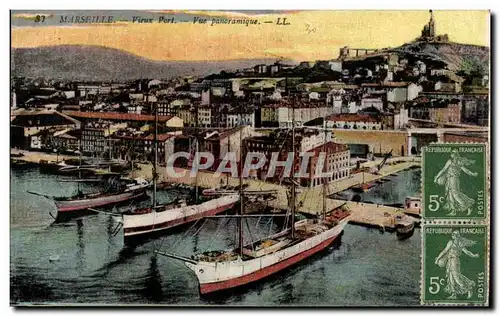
<point x="215" y="277"/>
<point x="142" y="225"/>
<point x="83" y="204"/>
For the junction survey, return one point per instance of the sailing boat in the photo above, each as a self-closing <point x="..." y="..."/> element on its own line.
<point x="364" y="186"/>
<point x="116" y="192"/>
<point x="82" y="201"/>
<point x="223" y="270"/>
<point x="146" y="221"/>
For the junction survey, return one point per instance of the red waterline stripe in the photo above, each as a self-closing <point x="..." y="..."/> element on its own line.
<point x="265" y="272"/>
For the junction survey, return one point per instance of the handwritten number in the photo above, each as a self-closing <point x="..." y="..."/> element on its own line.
<point x="310" y="29"/>
<point x="39" y="18"/>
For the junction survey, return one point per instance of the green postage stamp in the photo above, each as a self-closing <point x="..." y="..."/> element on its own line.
<point x="455" y="264"/>
<point x="454" y="181"/>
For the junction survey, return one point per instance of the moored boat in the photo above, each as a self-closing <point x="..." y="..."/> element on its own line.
<point x="363" y="187"/>
<point x="148" y="220"/>
<point x="85" y="205"/>
<point x="250" y="262"/>
<point x="229" y="269"/>
<point x="51" y="167"/>
<point x="70" y="206"/>
<point x="144" y="222"/>
<point x="405" y="226"/>
<point x="85" y="201"/>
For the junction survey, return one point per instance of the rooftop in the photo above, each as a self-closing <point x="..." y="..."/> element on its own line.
<point x="352" y="118"/>
<point x="387" y="84"/>
<point x="329" y="148"/>
<point x="144" y="136"/>
<point x="117" y="116"/>
<point x="42" y="118"/>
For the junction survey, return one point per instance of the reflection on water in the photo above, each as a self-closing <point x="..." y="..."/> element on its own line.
<point x="395" y="191"/>
<point x="364" y="267"/>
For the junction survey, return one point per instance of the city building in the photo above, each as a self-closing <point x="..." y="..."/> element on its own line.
<point x="282" y="114"/>
<point x="449" y="114"/>
<point x="336" y="164"/>
<point x="395" y="91"/>
<point x="234" y="118"/>
<point x="187" y="115"/>
<point x="139" y="146"/>
<point x="204" y="116"/>
<point x="354" y="121"/>
<point x="132" y="119"/>
<point x="95" y="139"/>
<point x="27" y="123"/>
<point x="280" y="142"/>
<point x="220" y="143"/>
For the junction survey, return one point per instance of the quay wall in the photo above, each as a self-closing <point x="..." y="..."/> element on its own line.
<point x="379" y="141"/>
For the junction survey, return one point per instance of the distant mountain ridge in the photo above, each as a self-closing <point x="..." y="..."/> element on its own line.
<point x="81" y="62"/>
<point x="96" y="63"/>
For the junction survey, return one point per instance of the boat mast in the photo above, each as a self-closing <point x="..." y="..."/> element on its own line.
<point x="109" y="148"/>
<point x="155" y="175"/>
<point x="240" y="171"/>
<point x="293" y="167"/>
<point x="324" y="164"/>
<point x="79" y="166"/>
<point x="228" y="150"/>
<point x="196" y="152"/>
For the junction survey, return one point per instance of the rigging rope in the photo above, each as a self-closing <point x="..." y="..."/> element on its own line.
<point x="203" y="224"/>
<point x="217" y="233"/>
<point x="184" y="235"/>
<point x="258" y="221"/>
<point x="270" y="227"/>
<point x="250" y="233"/>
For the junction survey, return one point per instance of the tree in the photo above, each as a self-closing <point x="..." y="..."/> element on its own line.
<point x="473" y="65"/>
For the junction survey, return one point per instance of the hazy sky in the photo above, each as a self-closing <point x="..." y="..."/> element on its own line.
<point x="311" y="35"/>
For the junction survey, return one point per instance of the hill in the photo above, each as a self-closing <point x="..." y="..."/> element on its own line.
<point x="457" y="56"/>
<point x="79" y="62"/>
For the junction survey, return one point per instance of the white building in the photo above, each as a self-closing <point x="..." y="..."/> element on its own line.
<point x="354" y="121"/>
<point x="204" y="116"/>
<point x="395" y="91"/>
<point x="336" y="165"/>
<point x="401" y="119"/>
<point x="312" y="141"/>
<point x="233" y="119"/>
<point x="371" y="102"/>
<point x="285" y="115"/>
<point x="335" y="65"/>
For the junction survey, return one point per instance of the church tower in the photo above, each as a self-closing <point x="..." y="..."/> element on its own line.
<point x="432" y="27"/>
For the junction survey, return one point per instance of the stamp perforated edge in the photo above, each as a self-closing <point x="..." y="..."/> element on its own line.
<point x="487" y="268"/>
<point x="486" y="220"/>
<point x="486" y="183"/>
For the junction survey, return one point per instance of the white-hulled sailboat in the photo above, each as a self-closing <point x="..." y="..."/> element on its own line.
<point x="146" y="221"/>
<point x="247" y="263"/>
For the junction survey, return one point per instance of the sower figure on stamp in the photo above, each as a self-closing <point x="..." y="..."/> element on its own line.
<point x="457" y="283"/>
<point x="449" y="176"/>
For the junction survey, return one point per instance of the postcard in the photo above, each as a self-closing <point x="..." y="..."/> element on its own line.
<point x="323" y="158"/>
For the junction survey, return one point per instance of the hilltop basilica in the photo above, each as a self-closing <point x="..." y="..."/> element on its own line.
<point x="429" y="33"/>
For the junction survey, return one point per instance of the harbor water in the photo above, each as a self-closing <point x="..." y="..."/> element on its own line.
<point x="83" y="261"/>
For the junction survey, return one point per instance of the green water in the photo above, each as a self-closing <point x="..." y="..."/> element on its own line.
<point x="365" y="268"/>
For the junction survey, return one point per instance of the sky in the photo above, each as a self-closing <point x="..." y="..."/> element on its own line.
<point x="311" y="35"/>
